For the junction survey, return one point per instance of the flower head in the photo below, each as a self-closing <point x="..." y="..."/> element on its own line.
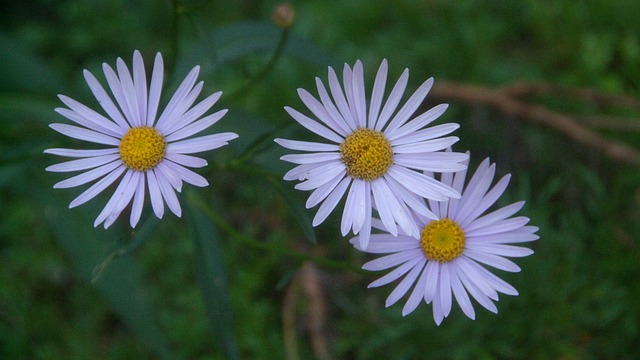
<point x="450" y="254"/>
<point x="375" y="156"/>
<point x="150" y="152"/>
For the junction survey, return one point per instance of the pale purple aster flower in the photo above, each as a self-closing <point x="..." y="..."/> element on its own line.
<point x="375" y="154"/>
<point x="451" y="254"/>
<point x="147" y="151"/>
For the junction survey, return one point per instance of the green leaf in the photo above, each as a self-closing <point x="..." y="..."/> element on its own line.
<point x="210" y="273"/>
<point x="22" y="71"/>
<point x="121" y="285"/>
<point x="228" y="43"/>
<point x="294" y="202"/>
<point x="126" y="245"/>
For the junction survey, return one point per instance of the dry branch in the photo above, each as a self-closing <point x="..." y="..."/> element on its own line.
<point x="508" y="101"/>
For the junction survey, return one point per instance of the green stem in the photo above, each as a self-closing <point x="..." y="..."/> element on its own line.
<point x="174" y="38"/>
<point x="243" y="90"/>
<point x="220" y="222"/>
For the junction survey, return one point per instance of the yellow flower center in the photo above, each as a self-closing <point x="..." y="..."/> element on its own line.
<point x="142" y="148"/>
<point x="442" y="240"/>
<point x="367" y="154"/>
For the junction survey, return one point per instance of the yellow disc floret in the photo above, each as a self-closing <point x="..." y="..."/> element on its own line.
<point x="367" y="154"/>
<point x="142" y="148"/>
<point x="442" y="240"/>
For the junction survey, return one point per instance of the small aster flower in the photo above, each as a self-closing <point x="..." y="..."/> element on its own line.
<point x="374" y="158"/>
<point x="151" y="153"/>
<point x="450" y="254"/>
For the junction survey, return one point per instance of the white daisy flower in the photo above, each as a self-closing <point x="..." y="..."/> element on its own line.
<point x="151" y="153"/>
<point x="452" y="249"/>
<point x="372" y="157"/>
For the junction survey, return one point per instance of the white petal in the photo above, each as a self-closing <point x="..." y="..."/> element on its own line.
<point x="431" y="286"/>
<point x="495" y="261"/>
<point x="428" y="146"/>
<point x="319" y="110"/>
<point x="475" y="190"/>
<point x="458" y="185"/>
<point x="500" y="226"/>
<point x="322" y="175"/>
<point x="322" y="192"/>
<point x="168" y="174"/>
<point x="155" y="88"/>
<point x="115" y="198"/>
<point x="342" y="127"/>
<point x="394" y="99"/>
<point x="462" y="297"/>
<point x="105" y="101"/>
<point x="138" y="201"/>
<point x="87" y="176"/>
<point x="419" y="122"/>
<point x="377" y="94"/>
<point x="301" y="172"/>
<point x="432" y="162"/>
<point x="426" y="134"/>
<point x="382" y="199"/>
<point x="140" y="85"/>
<point x="330" y="203"/>
<point x="348" y="215"/>
<point x="83" y="164"/>
<point x="403" y="286"/>
<point x="200" y="144"/>
<point x="179" y="97"/>
<point x="364" y="234"/>
<point x="489" y="199"/>
<point x="505" y="238"/>
<point x="196" y="127"/>
<point x="314" y="126"/>
<point x="409" y="107"/>
<point x="347" y="81"/>
<point x="412" y="200"/>
<point x="306" y="145"/>
<point x="499" y="249"/>
<point x="168" y="194"/>
<point x="494" y="217"/>
<point x="116" y="90"/>
<point x="81" y="153"/>
<point x="98" y="187"/>
<point x="444" y="288"/>
<point x="396" y="273"/>
<point x="418" y="292"/>
<point x="393" y="260"/>
<point x="474" y="290"/>
<point x="310" y="158"/>
<point x="360" y="206"/>
<point x="84" y="134"/>
<point x="90" y="119"/>
<point x="340" y="100"/>
<point x="359" y="100"/>
<point x="187" y="175"/>
<point x="192" y="115"/>
<point x="385" y="243"/>
<point x="186" y="160"/>
<point x="129" y="93"/>
<point x="421" y="184"/>
<point x="155" y="194"/>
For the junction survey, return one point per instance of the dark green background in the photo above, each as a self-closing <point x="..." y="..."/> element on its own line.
<point x="578" y="293"/>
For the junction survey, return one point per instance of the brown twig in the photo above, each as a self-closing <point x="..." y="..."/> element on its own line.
<point x="525" y="89"/>
<point x="307" y="282"/>
<point x="612" y="123"/>
<point x="506" y="102"/>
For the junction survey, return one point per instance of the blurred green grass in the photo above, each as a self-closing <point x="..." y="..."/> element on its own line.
<point x="578" y="292"/>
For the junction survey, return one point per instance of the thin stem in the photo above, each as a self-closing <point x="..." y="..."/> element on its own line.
<point x="220" y="222"/>
<point x="174" y="35"/>
<point x="243" y="90"/>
